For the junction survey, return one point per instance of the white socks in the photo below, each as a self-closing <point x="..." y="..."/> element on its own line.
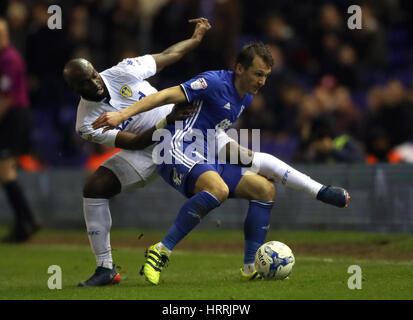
<point x="98" y="223"/>
<point x="280" y="172"/>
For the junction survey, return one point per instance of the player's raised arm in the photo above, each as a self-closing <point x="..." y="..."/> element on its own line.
<point x="175" y="52"/>
<point x="111" y="120"/>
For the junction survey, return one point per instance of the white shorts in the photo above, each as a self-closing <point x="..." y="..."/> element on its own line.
<point x="134" y="169"/>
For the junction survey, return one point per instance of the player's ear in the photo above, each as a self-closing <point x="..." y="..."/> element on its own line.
<point x="239" y="69"/>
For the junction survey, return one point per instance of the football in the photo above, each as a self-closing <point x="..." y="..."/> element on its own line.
<point x="274" y="260"/>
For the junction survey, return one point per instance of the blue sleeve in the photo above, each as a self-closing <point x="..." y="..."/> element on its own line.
<point x="201" y="87"/>
<point x="249" y="100"/>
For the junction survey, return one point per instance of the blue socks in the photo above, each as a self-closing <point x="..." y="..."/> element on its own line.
<point x="256" y="225"/>
<point x="194" y="209"/>
<point x="191" y="213"/>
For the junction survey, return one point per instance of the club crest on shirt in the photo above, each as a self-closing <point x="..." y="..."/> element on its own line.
<point x="126" y="91"/>
<point x="199" y="84"/>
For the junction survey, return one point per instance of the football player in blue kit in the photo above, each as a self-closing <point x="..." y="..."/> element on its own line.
<point x="220" y="96"/>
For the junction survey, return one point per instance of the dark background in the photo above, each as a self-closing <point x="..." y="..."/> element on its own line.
<point x="335" y="95"/>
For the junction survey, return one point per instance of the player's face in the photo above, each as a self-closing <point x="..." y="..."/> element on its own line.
<point x="253" y="78"/>
<point x="90" y="85"/>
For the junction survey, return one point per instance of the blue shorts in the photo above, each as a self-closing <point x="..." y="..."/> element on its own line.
<point x="183" y="178"/>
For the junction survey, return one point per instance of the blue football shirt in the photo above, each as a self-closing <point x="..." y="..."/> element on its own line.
<point x="219" y="106"/>
<point x="217" y="98"/>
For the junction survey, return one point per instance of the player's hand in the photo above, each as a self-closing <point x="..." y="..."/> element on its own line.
<point x="201" y="27"/>
<point x="108" y="121"/>
<point x="180" y="111"/>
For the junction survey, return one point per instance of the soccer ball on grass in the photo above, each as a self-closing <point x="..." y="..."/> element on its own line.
<point x="274" y="260"/>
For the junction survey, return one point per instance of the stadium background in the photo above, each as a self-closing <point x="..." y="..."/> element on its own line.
<point x="338" y="104"/>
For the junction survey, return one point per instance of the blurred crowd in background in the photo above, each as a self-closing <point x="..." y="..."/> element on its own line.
<point x="334" y="95"/>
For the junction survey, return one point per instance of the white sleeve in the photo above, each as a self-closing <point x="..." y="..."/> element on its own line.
<point x="107" y="138"/>
<point x="85" y="117"/>
<point x="140" y="67"/>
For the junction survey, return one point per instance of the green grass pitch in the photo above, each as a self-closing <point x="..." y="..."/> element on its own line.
<point x="206" y="266"/>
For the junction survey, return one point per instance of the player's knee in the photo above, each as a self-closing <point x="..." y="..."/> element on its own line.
<point x="97" y="191"/>
<point x="91" y="189"/>
<point x="101" y="185"/>
<point x="220" y="191"/>
<point x="268" y="191"/>
<point x="264" y="191"/>
<point x="211" y="182"/>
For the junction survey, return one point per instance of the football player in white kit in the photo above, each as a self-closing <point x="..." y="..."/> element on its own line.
<point x="112" y="90"/>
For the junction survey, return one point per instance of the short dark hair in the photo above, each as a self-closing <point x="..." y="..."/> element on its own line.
<point x="249" y="51"/>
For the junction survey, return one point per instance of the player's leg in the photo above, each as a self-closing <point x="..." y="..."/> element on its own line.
<point x="261" y="193"/>
<point x="209" y="191"/>
<point x="14" y="141"/>
<point x="24" y="224"/>
<point x="114" y="176"/>
<point x="280" y="172"/>
<point x="102" y="185"/>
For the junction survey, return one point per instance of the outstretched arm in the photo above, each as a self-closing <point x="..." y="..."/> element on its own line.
<point x="175" y="52"/>
<point x="131" y="141"/>
<point x="111" y="120"/>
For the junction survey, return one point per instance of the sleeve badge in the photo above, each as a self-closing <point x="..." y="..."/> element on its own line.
<point x="199" y="84"/>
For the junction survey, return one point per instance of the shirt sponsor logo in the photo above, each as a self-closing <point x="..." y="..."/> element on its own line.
<point x="223" y="125"/>
<point x="126" y="91"/>
<point x="199" y="84"/>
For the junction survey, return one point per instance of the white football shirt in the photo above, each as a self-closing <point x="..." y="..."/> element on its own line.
<point x="126" y="84"/>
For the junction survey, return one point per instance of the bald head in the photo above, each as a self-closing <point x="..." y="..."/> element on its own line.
<point x="82" y="77"/>
<point x="4" y="34"/>
<point x="76" y="69"/>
